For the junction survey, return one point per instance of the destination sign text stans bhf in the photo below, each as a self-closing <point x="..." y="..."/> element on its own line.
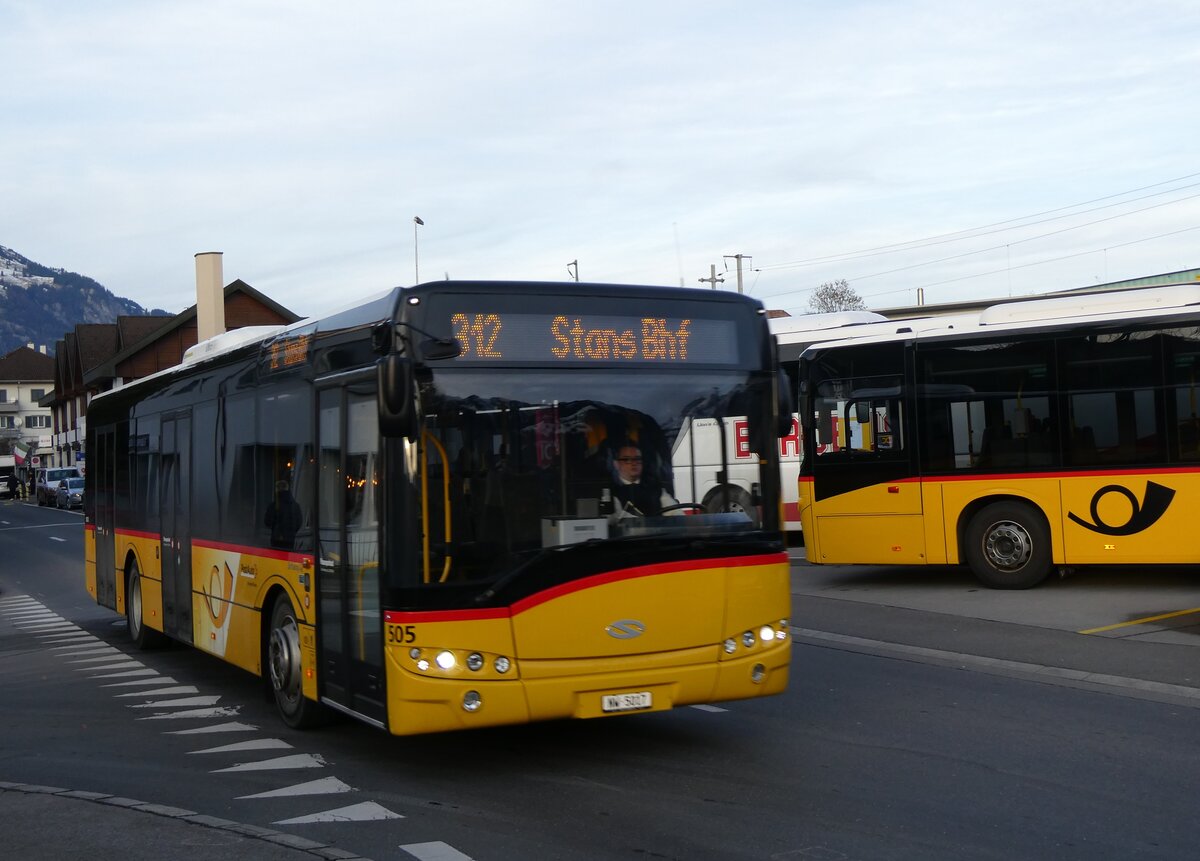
<point x="586" y="338"/>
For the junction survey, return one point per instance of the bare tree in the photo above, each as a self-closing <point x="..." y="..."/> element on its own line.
<point x="835" y="296"/>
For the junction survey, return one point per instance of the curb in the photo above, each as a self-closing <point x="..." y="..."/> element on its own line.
<point x="291" y="841"/>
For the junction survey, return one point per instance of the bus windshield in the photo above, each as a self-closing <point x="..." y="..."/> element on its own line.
<point x="518" y="462"/>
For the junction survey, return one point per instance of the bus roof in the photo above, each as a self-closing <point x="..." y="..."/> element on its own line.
<point x="1035" y="314"/>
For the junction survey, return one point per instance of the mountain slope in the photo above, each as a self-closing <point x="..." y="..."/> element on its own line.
<point x="39" y="304"/>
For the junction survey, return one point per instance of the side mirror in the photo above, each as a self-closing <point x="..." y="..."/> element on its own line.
<point x="397" y="397"/>
<point x="806" y="416"/>
<point x="786" y="404"/>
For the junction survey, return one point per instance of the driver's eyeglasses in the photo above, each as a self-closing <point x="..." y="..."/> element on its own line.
<point x="630" y="459"/>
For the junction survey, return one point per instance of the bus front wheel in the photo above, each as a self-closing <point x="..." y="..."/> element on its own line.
<point x="1008" y="546"/>
<point x="285" y="671"/>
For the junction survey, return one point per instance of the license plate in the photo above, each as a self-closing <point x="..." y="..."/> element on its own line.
<point x="626" y="702"/>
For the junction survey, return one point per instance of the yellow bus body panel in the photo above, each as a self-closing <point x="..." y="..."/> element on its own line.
<point x="1125" y="502"/>
<point x="229" y="587"/>
<point x="576" y="645"/>
<point x="89" y="561"/>
<point x="1095" y="518"/>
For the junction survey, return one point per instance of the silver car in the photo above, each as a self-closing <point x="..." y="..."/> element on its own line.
<point x="69" y="493"/>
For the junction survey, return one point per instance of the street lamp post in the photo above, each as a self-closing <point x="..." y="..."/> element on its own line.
<point x="417" y="222"/>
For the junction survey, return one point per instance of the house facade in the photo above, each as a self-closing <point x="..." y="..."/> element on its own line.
<point x="26" y="376"/>
<point x="94" y="358"/>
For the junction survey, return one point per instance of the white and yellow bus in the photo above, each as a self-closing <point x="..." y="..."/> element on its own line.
<point x="1054" y="432"/>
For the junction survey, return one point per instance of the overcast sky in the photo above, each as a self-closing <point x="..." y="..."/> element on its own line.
<point x="646" y="140"/>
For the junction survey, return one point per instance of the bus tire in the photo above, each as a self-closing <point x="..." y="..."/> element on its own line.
<point x="284" y="669"/>
<point x="730" y="498"/>
<point x="144" y="638"/>
<point x="1008" y="546"/>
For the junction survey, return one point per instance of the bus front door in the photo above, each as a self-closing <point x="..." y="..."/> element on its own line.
<point x="866" y="500"/>
<point x="350" y="620"/>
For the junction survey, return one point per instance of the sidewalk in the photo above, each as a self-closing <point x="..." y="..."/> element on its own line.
<point x="46" y="822"/>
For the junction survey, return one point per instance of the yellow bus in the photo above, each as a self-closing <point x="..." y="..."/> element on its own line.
<point x="1054" y="432"/>
<point x="405" y="511"/>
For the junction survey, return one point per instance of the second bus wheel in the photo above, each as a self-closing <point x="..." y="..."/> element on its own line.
<point x="285" y="671"/>
<point x="143" y="637"/>
<point x="1008" y="546"/>
<point x="730" y="498"/>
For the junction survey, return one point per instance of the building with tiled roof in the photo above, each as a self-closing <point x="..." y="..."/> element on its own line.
<point x="96" y="357"/>
<point x="26" y="375"/>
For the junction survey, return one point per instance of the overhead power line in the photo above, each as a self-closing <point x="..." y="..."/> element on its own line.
<point x="995" y="227"/>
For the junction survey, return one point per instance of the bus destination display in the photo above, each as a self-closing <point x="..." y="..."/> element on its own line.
<point x="584" y="338"/>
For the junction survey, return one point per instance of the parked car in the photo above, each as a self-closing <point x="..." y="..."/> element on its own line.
<point x="47" y="481"/>
<point x="69" y="493"/>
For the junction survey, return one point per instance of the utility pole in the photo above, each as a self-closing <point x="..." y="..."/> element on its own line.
<point x="574" y="263"/>
<point x="739" y="258"/>
<point x="712" y="276"/>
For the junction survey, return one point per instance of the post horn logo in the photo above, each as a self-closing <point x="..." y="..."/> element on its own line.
<point x="1144" y="515"/>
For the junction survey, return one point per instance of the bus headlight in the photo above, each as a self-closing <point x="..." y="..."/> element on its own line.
<point x="730" y="646"/>
<point x="748" y="639"/>
<point x="445" y="659"/>
<point x="472" y="701"/>
<point x="766" y="633"/>
<point x="502" y="664"/>
<point x="474" y="661"/>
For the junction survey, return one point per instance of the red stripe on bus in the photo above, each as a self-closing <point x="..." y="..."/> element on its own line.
<point x="1088" y="473"/>
<point x="133" y="533"/>
<point x="410" y="617"/>
<point x="282" y="555"/>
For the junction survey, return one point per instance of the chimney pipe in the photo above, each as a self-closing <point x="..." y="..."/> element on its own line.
<point x="210" y="295"/>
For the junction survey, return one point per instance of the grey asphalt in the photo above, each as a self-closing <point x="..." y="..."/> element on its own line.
<point x="48" y="822"/>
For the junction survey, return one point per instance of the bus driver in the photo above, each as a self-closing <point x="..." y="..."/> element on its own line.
<point x="637" y="495"/>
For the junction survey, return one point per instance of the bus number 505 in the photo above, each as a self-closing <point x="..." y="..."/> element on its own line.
<point x="401" y="634"/>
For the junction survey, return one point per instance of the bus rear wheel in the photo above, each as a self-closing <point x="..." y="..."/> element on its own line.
<point x="1008" y="546"/>
<point x="285" y="670"/>
<point x="143" y="637"/>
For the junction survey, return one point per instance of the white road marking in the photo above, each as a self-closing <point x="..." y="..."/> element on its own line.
<point x="255" y="744"/>
<point x="143" y="671"/>
<point x="221" y="711"/>
<point x="186" y="701"/>
<point x="56" y="538"/>
<point x="434" y="852"/>
<point x="324" y="786"/>
<point x="69" y="639"/>
<point x="363" y="812"/>
<point x="230" y="726"/>
<point x="95" y="660"/>
<point x="164" y="680"/>
<point x="81" y="649"/>
<point x="162" y="692"/>
<point x="299" y="760"/>
<point x="708" y="708"/>
<point x="123" y="665"/>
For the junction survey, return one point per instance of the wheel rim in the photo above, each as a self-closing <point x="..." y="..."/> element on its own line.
<point x="135" y="604"/>
<point x="1008" y="546"/>
<point x="284" y="659"/>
